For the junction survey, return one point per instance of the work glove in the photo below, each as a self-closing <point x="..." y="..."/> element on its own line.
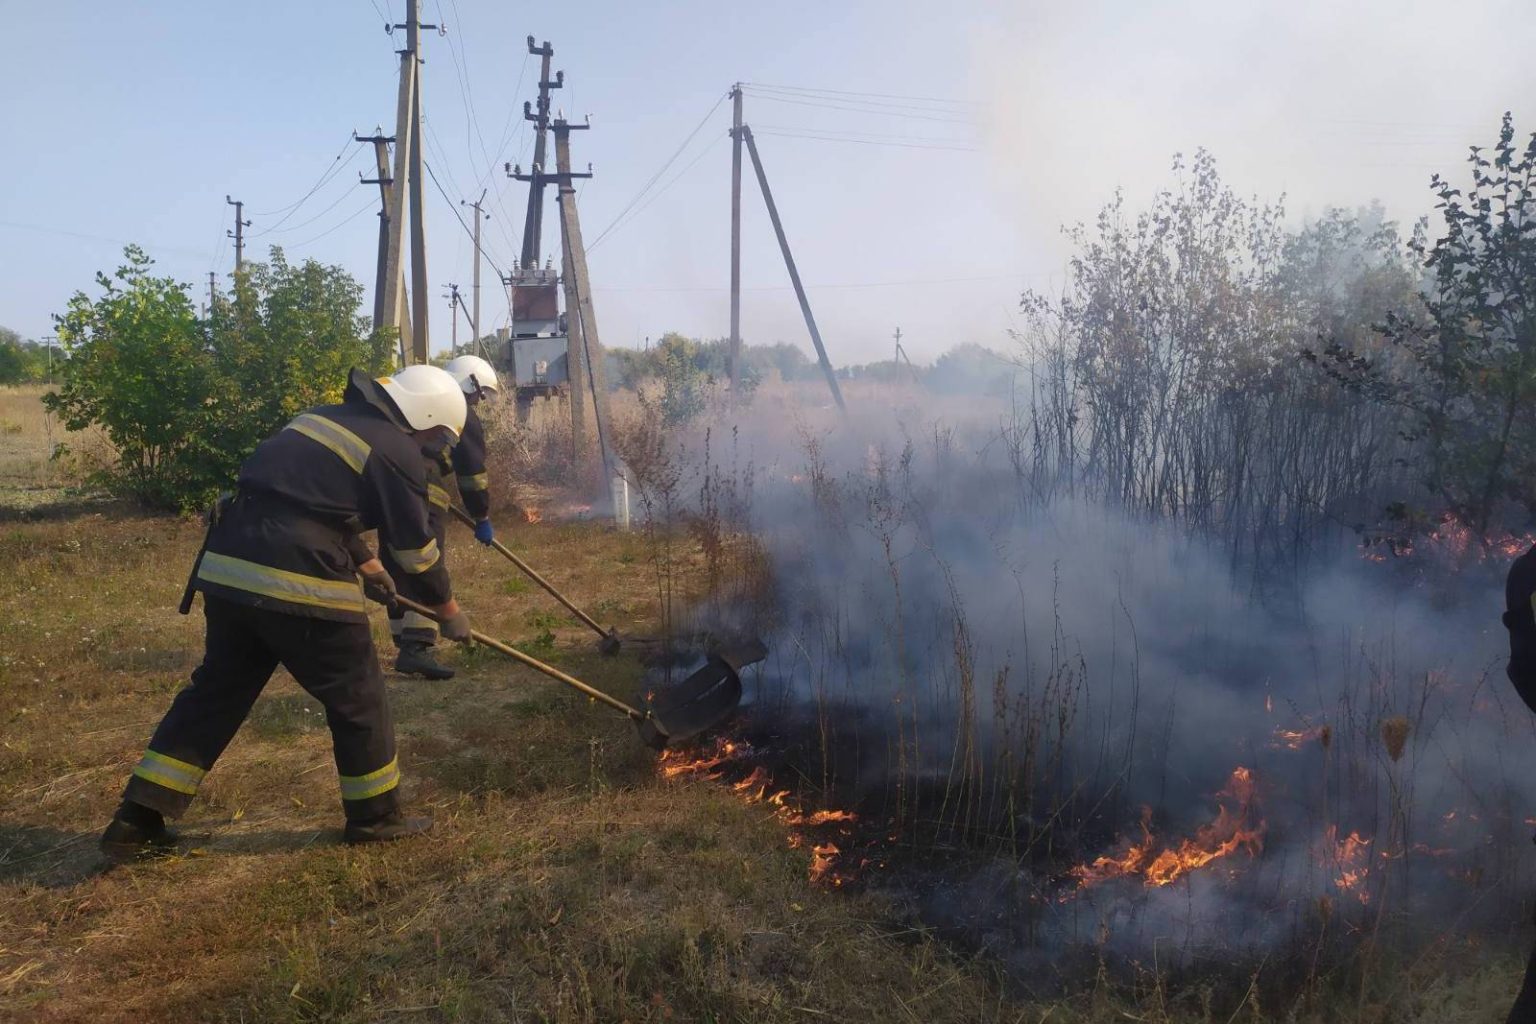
<point x="377" y="586"/>
<point x="483" y="532"/>
<point x="455" y="627"/>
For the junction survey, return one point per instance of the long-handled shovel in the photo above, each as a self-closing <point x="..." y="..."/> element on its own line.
<point x="609" y="642"/>
<point x="700" y="702"/>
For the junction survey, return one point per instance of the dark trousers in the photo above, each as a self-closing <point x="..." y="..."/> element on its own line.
<point x="410" y="627"/>
<point x="1524" y="1010"/>
<point x="334" y="661"/>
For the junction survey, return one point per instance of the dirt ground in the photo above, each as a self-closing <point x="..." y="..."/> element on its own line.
<point x="564" y="881"/>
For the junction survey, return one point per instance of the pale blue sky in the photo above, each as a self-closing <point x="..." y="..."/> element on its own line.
<point x="132" y="122"/>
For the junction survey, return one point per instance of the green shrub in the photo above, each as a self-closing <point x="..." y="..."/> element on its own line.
<point x="183" y="400"/>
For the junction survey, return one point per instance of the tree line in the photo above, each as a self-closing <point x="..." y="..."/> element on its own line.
<point x="1265" y="385"/>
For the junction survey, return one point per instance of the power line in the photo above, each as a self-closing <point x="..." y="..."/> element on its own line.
<point x="657" y="176"/>
<point x="372" y="203"/>
<point x="179" y="250"/>
<point x="454" y="207"/>
<point x="658" y="193"/>
<point x="913" y="116"/>
<point x="330" y="171"/>
<point x="305" y="223"/>
<point x="834" y="286"/>
<point x="829" y="137"/>
<point x="845" y="92"/>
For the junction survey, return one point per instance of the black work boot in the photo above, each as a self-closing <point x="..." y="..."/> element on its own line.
<point x="415" y="659"/>
<point x="135" y="833"/>
<point x="390" y="827"/>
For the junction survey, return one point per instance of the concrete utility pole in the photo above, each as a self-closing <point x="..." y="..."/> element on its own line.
<point x="479" y="216"/>
<point x="735" y="350"/>
<point x="794" y="274"/>
<point x="239" y="233"/>
<point x="453" y="306"/>
<point x="406" y="186"/>
<point x="211" y="292"/>
<point x="588" y="347"/>
<point x="533" y="223"/>
<point x="380" y="291"/>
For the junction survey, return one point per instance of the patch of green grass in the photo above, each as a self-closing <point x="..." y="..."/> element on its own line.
<point x="542" y="645"/>
<point x="515" y="586"/>
<point x="285" y="717"/>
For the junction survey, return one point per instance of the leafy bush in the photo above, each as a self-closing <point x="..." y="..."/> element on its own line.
<point x="138" y="367"/>
<point x="182" y="400"/>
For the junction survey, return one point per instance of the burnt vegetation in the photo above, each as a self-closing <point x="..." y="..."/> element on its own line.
<point x="1176" y="666"/>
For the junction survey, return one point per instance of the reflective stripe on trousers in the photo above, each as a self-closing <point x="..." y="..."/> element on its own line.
<point x="169" y="772"/>
<point x="375" y="783"/>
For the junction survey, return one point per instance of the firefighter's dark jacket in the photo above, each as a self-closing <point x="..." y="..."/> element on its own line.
<point x="1520" y="619"/>
<point x="289" y="541"/>
<point x="466" y="463"/>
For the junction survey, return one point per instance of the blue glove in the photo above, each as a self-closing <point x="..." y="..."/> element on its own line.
<point x="483" y="532"/>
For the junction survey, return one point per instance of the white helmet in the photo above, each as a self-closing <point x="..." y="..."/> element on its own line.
<point x="473" y="374"/>
<point x="427" y="397"/>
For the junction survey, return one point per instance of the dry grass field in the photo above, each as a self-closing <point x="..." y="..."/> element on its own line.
<point x="564" y="880"/>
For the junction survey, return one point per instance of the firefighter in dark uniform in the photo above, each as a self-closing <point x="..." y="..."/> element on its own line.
<point x="1520" y="620"/>
<point x="279" y="574"/>
<point x="415" y="635"/>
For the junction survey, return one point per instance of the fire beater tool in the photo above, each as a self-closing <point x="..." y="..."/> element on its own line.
<point x="609" y="642"/>
<point x="700" y="702"/>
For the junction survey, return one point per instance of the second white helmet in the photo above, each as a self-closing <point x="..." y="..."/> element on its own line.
<point x="427" y="397"/>
<point x="473" y="374"/>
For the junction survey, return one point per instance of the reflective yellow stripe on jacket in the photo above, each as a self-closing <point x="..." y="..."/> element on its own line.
<point x="352" y="449"/>
<point x="282" y="585"/>
<point x="417" y="560"/>
<point x="169" y="772"/>
<point x="437" y="496"/>
<point x="478" y="482"/>
<point x="361" y="787"/>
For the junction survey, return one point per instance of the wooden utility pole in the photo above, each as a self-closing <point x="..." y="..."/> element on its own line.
<point x="406" y="186"/>
<point x="794" y="274"/>
<point x="239" y="233"/>
<point x="533" y="223"/>
<point x="475" y="323"/>
<point x="735" y="350"/>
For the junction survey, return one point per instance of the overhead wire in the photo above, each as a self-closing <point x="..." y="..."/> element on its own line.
<point x="850" y="93"/>
<point x="660" y="171"/>
<point x="828" y="105"/>
<point x="832" y="137"/>
<point x="659" y="192"/>
<point x="370" y="205"/>
<point x="305" y="223"/>
<point x="334" y="167"/>
<point x="456" y="216"/>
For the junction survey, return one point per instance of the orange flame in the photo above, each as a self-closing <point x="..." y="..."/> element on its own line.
<point x="754" y="790"/>
<point x="822" y="859"/>
<point x="1294" y="739"/>
<point x="1348" y="856"/>
<point x="1233" y="830"/>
